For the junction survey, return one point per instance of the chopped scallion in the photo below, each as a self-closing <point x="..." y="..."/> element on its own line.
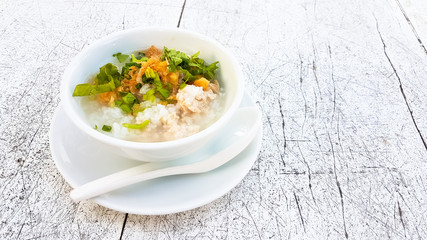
<point x="106" y="128"/>
<point x="136" y="126"/>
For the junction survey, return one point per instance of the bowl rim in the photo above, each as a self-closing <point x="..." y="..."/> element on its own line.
<point x="122" y="143"/>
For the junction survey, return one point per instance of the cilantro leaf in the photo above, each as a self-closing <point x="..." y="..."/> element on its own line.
<point x="188" y="77"/>
<point x="174" y="58"/>
<point x="106" y="80"/>
<point x="107" y="73"/>
<point x="200" y="68"/>
<point x="121" y="57"/>
<point x="196" y="55"/>
<point x="84" y="89"/>
<point x="127" y="102"/>
<point x="189" y="66"/>
<point x="87" y="89"/>
<point x="140" y="55"/>
<point x="209" y="71"/>
<point x="142" y="59"/>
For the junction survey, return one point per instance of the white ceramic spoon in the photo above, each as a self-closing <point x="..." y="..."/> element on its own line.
<point x="246" y="122"/>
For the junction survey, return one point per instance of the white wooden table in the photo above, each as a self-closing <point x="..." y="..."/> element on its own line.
<point x="342" y="86"/>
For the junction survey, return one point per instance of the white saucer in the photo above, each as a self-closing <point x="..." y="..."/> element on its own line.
<point x="80" y="160"/>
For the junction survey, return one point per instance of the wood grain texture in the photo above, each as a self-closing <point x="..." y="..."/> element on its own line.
<point x="342" y="88"/>
<point x="414" y="13"/>
<point x="37" y="41"/>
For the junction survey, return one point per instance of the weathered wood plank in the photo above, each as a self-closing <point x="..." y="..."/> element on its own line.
<point x="37" y="41"/>
<point x="341" y="155"/>
<point x="341" y="86"/>
<point x="414" y="12"/>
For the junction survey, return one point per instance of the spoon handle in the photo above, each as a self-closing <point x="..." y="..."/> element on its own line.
<point x="149" y="171"/>
<point x="110" y="182"/>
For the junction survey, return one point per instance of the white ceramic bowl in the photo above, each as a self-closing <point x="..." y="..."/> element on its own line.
<point x="100" y="52"/>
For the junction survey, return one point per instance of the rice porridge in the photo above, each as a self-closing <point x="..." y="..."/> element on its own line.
<point x="159" y="95"/>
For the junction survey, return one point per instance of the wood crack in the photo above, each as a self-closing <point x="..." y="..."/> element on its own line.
<point x="299" y="210"/>
<point x="401" y="216"/>
<point x="20" y="230"/>
<point x="124" y="225"/>
<point x="283" y="126"/>
<point x="401" y="87"/>
<point x="180" y="16"/>
<point x="339" y="188"/>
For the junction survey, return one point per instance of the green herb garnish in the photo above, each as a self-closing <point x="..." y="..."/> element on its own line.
<point x="136" y="126"/>
<point x="147" y="80"/>
<point x="121" y="57"/>
<point x="107" y="73"/>
<point x="142" y="59"/>
<point x="129" y="99"/>
<point x="106" y="128"/>
<point x="125" y="69"/>
<point x="107" y="80"/>
<point x="149" y="95"/>
<point x="126" y="108"/>
<point x="188" y="77"/>
<point x="127" y="102"/>
<point x="164" y="92"/>
<point x="86" y="89"/>
<point x="189" y="66"/>
<point x="175" y="58"/>
<point x="150" y="74"/>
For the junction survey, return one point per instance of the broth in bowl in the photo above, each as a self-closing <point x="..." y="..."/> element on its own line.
<point x="152" y="95"/>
